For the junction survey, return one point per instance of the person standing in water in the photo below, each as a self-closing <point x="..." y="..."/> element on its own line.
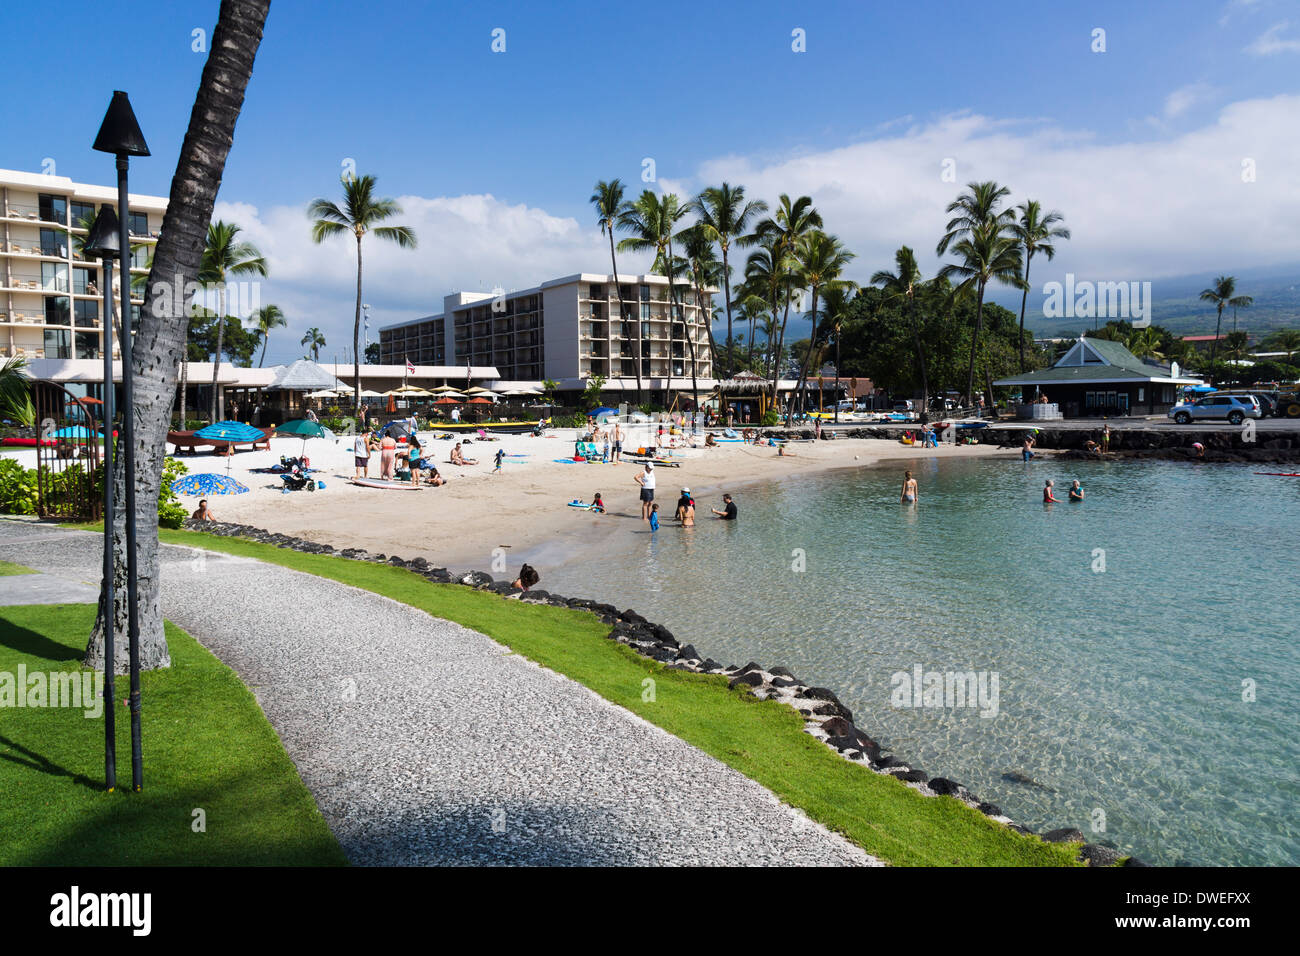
<point x="1076" y="491"/>
<point x="1048" y="497"/>
<point x="647" y="482"/>
<point x="909" y="493"/>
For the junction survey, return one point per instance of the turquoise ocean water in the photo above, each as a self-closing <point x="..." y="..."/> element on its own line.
<point x="1128" y="633"/>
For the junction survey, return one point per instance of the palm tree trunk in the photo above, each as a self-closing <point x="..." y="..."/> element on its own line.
<point x="749" y="356"/>
<point x="622" y="312"/>
<point x="1214" y="346"/>
<point x="185" y="375"/>
<point x="1024" y="298"/>
<point x="807" y="356"/>
<point x="974" y="346"/>
<point x="218" y="404"/>
<point x="837" y="376"/>
<point x="776" y="359"/>
<point x="356" y="341"/>
<point x="266" y="335"/>
<point x="726" y="282"/>
<point x="160" y="339"/>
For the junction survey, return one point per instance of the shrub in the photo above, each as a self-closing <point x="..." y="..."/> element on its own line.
<point x="771" y="417"/>
<point x="17" y="488"/>
<point x="171" y="513"/>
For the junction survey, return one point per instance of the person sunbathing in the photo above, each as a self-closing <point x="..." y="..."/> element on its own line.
<point x="458" y="457"/>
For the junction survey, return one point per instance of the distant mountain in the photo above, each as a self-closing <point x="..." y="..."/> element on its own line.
<point x="1177" y="307"/>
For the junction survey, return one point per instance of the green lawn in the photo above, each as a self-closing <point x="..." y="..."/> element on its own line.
<point x="8" y="568"/>
<point x="762" y="739"/>
<point x="207" y="745"/>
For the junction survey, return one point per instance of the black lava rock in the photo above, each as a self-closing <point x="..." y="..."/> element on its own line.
<point x="837" y="727"/>
<point x="688" y="651"/>
<point x="751" y="679"/>
<point x="633" y="617"/>
<point x="1096" y="855"/>
<point x="475" y="579"/>
<point x="779" y="671"/>
<point x="949" y="788"/>
<point x="914" y="775"/>
<point x="832" y="709"/>
<point x="990" y="810"/>
<point x="1064" y="835"/>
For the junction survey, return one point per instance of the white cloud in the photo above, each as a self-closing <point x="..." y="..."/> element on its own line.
<point x="1270" y="42"/>
<point x="1138" y="209"/>
<point x="1184" y="98"/>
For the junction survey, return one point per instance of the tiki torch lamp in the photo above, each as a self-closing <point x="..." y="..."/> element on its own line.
<point x="103" y="243"/>
<point x="120" y="134"/>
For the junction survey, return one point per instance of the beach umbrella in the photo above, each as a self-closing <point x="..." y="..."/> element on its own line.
<point x="443" y="389"/>
<point x="407" y="390"/>
<point x="207" y="484"/>
<point x="76" y="433"/>
<point x="230" y="431"/>
<point x="479" y="401"/>
<point x="447" y="401"/>
<point x="303" y="428"/>
<point x="323" y="393"/>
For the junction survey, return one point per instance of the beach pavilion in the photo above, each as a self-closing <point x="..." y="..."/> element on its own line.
<point x="294" y="382"/>
<point x="1101" y="377"/>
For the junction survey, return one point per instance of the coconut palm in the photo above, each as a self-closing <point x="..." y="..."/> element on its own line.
<point x="904" y="284"/>
<point x="360" y="214"/>
<point x="724" y="218"/>
<point x="609" y="203"/>
<point x="697" y="248"/>
<point x="224" y="255"/>
<point x="835" y="310"/>
<point x="987" y="255"/>
<point x="978" y="236"/>
<point x="1222" y="293"/>
<point x="751" y="308"/>
<point x="1035" y="230"/>
<point x="769" y="273"/>
<point x="821" y="260"/>
<point x="15" y="391"/>
<point x="1288" y="341"/>
<point x="787" y="225"/>
<point x="315" y="341"/>
<point x="160" y="333"/>
<point x="1145" y="343"/>
<point x="265" y="319"/>
<point x="651" y="220"/>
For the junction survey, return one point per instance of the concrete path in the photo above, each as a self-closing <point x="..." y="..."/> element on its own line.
<point x="427" y="743"/>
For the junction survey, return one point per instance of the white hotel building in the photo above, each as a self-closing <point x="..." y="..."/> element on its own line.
<point x="567" y="329"/>
<point x="50" y="299"/>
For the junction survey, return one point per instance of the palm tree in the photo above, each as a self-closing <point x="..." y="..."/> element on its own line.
<point x="767" y="322"/>
<point x="651" y="221"/>
<point x="697" y="246"/>
<point x="835" y="309"/>
<point x="359" y="215"/>
<point x="978" y="236"/>
<point x="751" y="308"/>
<point x="226" y="255"/>
<point x="1222" y="293"/>
<point x="15" y="394"/>
<point x="1287" y="341"/>
<point x="315" y="341"/>
<point x="788" y="225"/>
<point x="1145" y="343"/>
<point x="821" y="260"/>
<point x="160" y="334"/>
<point x="609" y="203"/>
<point x="769" y="273"/>
<point x="1035" y="230"/>
<point x="265" y="319"/>
<point x="724" y="217"/>
<point x="903" y="284"/>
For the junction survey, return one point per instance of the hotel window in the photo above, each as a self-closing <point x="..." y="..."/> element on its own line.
<point x="56" y="311"/>
<point x="645" y="293"/>
<point x="82" y="212"/>
<point x="595" y="292"/>
<point x="140" y="257"/>
<point x="81" y="280"/>
<point x="53" y="208"/>
<point x="54" y="242"/>
<point x="678" y="368"/>
<point x="87" y="345"/>
<point x="1089" y="400"/>
<point x="85" y="313"/>
<point x="645" y="330"/>
<point x="54" y="277"/>
<point x="138" y="222"/>
<point x="645" y="314"/>
<point x="58" y="343"/>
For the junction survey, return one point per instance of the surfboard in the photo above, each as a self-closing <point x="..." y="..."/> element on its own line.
<point x="385" y="485"/>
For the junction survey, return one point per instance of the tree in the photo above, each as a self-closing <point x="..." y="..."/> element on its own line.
<point x="609" y="203"/>
<point x="1035" y="230"/>
<point x="160" y="335"/>
<point x="650" y="222"/>
<point x="704" y="267"/>
<point x="315" y="341"/>
<point x="835" y="310"/>
<point x="1146" y="343"/>
<point x="986" y="252"/>
<point x="372" y="353"/>
<point x="751" y="309"/>
<point x="591" y="394"/>
<point x="225" y="255"/>
<point x="15" y="392"/>
<point x="787" y="226"/>
<point x="239" y="343"/>
<point x="821" y="260"/>
<point x="1222" y="293"/>
<point x="360" y="213"/>
<point x="769" y="273"/>
<point x="1287" y="340"/>
<point x="724" y="217"/>
<point x="904" y="284"/>
<point x="265" y="319"/>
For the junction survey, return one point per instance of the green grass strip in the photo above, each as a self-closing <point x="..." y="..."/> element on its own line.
<point x="762" y="739"/>
<point x="8" y="568"/>
<point x="207" y="746"/>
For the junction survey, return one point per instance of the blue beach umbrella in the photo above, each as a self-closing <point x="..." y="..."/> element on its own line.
<point x="80" y="432"/>
<point x="230" y="431"/>
<point x="208" y="484"/>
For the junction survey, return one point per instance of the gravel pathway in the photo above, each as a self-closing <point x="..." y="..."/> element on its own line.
<point x="426" y="743"/>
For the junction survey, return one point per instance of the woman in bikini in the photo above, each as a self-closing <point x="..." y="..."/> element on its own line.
<point x="909" y="493"/>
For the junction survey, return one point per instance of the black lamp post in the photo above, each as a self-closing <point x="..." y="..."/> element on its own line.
<point x="102" y="243"/>
<point x="120" y="134"/>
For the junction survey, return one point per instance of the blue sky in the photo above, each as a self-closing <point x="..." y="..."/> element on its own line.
<point x="509" y="144"/>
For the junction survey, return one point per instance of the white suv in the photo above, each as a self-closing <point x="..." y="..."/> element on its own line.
<point x="1234" y="408"/>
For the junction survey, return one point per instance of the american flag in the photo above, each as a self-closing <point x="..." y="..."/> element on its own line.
<point x="410" y="369"/>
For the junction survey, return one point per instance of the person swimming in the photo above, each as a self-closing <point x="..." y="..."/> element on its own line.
<point x="1076" y="491"/>
<point x="1048" y="497"/>
<point x="909" y="493"/>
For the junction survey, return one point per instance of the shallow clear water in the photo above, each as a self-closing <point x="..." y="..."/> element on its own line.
<point x="1120" y="689"/>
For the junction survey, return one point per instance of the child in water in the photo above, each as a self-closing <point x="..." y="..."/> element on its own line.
<point x="654" y="517"/>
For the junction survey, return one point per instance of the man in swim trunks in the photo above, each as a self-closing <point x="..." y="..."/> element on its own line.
<point x="361" y="455"/>
<point x="1026" y="450"/>
<point x="616" y="443"/>
<point x="909" y="494"/>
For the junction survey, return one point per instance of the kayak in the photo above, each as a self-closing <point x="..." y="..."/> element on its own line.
<point x="386" y="485"/>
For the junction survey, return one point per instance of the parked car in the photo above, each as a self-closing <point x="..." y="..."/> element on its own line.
<point x="1267" y="402"/>
<point x="1234" y="408"/>
<point x="903" y="405"/>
